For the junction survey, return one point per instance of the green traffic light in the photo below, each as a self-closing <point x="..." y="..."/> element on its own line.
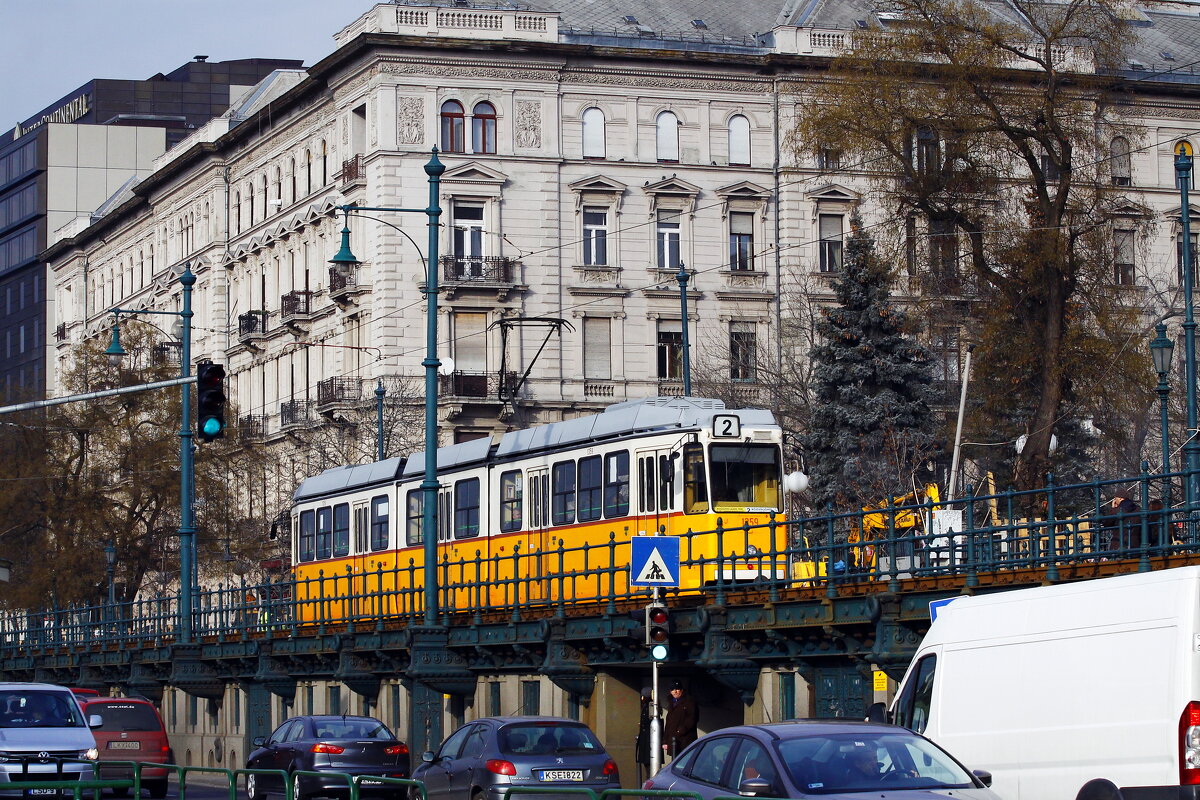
<point x="659" y="652"/>
<point x="211" y="426"/>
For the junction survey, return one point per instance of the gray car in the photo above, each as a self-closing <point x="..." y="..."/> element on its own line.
<point x="826" y="758"/>
<point x="484" y="758"/>
<point x="44" y="737"/>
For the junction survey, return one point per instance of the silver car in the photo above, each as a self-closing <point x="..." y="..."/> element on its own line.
<point x="484" y="758"/>
<point x="44" y="737"/>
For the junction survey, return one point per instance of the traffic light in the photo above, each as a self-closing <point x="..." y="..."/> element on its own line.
<point x="658" y="630"/>
<point x="210" y="401"/>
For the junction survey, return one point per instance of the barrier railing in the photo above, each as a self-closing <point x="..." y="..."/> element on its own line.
<point x="1046" y="531"/>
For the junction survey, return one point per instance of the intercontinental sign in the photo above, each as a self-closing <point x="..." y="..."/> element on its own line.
<point x="68" y="112"/>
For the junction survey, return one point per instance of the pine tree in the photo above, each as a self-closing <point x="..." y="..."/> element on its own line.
<point x="871" y="423"/>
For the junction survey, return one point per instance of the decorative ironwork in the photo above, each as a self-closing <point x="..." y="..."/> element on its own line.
<point x="295" y="304"/>
<point x="60" y="333"/>
<point x="251" y="428"/>
<point x="332" y="391"/>
<point x="352" y="169"/>
<point x="478" y="384"/>
<point x="340" y="284"/>
<point x="253" y="324"/>
<point x="484" y="269"/>
<point x="167" y="353"/>
<point x="294" y="412"/>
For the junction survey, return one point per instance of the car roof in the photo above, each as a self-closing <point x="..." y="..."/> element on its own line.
<point x="91" y="701"/>
<point x="332" y="716"/>
<point x="530" y="720"/>
<point x="813" y="727"/>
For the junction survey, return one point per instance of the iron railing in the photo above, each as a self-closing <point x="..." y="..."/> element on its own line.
<point x="340" y="283"/>
<point x="294" y="412"/>
<point x="295" y="304"/>
<point x="332" y="391"/>
<point x="484" y="269"/>
<point x="252" y="324"/>
<point x="1047" y="535"/>
<point x="477" y="384"/>
<point x="251" y="427"/>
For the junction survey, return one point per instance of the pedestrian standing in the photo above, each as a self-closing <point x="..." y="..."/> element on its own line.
<point x="680" y="728"/>
<point x="641" y="746"/>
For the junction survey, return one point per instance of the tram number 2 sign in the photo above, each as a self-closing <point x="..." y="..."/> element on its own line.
<point x="726" y="426"/>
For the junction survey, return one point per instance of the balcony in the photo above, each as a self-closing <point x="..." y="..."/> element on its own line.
<point x="480" y="385"/>
<point x="296" y="307"/>
<point x="338" y="392"/>
<point x="493" y="273"/>
<point x="592" y="389"/>
<point x="60" y="333"/>
<point x="343" y="288"/>
<point x="251" y="428"/>
<point x="353" y="173"/>
<point x="294" y="413"/>
<point x="252" y="326"/>
<point x="167" y="353"/>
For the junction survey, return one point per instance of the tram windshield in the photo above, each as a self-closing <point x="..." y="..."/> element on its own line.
<point x="745" y="476"/>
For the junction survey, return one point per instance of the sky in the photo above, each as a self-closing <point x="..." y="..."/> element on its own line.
<point x="48" y="48"/>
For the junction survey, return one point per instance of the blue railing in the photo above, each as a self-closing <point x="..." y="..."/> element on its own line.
<point x="1054" y="533"/>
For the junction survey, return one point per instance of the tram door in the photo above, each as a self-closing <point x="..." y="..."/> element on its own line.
<point x="360" y="574"/>
<point x="540" y="539"/>
<point x="656" y="483"/>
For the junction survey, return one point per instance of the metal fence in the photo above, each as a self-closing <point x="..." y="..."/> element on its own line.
<point x="1055" y="533"/>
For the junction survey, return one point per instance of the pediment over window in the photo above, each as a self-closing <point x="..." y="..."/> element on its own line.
<point x="598" y="183"/>
<point x="1130" y="210"/>
<point x="744" y="190"/>
<point x="1176" y="212"/>
<point x="672" y="192"/>
<point x="834" y="193"/>
<point x="475" y="178"/>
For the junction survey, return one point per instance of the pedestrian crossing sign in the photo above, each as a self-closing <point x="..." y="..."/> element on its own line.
<point x="654" y="561"/>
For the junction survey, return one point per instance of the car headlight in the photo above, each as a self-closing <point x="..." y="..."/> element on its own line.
<point x="3" y="757"/>
<point x="91" y="754"/>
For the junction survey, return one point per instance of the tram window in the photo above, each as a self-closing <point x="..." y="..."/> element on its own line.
<point x="443" y="516"/>
<point x="616" y="484"/>
<point x="535" y="501"/>
<point x="324" y="532"/>
<point x="591" y="482"/>
<point x="563" y="491"/>
<point x="341" y="529"/>
<point x="695" y="488"/>
<point x="466" y="509"/>
<point x="414" y="516"/>
<point x="510" y="501"/>
<point x="646" y="490"/>
<point x="745" y="475"/>
<point x="666" y="483"/>
<point x="544" y="500"/>
<point x="360" y="529"/>
<point x="307" y="534"/>
<point x="380" y="510"/>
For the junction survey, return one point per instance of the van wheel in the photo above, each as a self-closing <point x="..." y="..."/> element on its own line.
<point x="1099" y="789"/>
<point x="157" y="788"/>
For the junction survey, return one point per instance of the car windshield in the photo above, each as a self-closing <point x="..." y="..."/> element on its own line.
<point x="34" y="708"/>
<point x="869" y="762"/>
<point x="346" y="728"/>
<point x="540" y="738"/>
<point x="125" y="716"/>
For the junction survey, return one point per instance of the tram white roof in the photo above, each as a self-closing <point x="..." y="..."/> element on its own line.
<point x="453" y="455"/>
<point x="632" y="416"/>
<point x="340" y="479"/>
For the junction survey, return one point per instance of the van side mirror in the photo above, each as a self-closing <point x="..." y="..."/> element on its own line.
<point x="95" y="720"/>
<point x="984" y="776"/>
<point x="879" y="714"/>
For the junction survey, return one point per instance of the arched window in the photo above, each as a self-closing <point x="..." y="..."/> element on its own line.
<point x="452" y="127"/>
<point x="1119" y="162"/>
<point x="667" y="137"/>
<point x="324" y="162"/>
<point x="307" y="172"/>
<point x="593" y="133"/>
<point x="237" y="212"/>
<point x="278" y="189"/>
<point x="739" y="140"/>
<point x="483" y="128"/>
<point x="292" y="180"/>
<point x="263" y="196"/>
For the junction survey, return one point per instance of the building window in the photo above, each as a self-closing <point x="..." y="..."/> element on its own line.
<point x="593" y="133"/>
<point x="510" y="501"/>
<point x="470" y="349"/>
<point x="741" y="241"/>
<point x="924" y="154"/>
<point x="829" y="227"/>
<point x="452" y="127"/>
<point x="1122" y="174"/>
<point x="595" y="236"/>
<point x="308" y="185"/>
<point x="335" y="700"/>
<point x="910" y="245"/>
<point x="947" y="366"/>
<point x="1191" y="256"/>
<point x="597" y="348"/>
<point x="667" y="137"/>
<point x="829" y="160"/>
<point x="1123" y="247"/>
<point x="1050" y="168"/>
<point x="670" y="350"/>
<point x="743" y="351"/>
<point x="483" y="128"/>
<point x="667" y="231"/>
<point x="466" y="509"/>
<point x="531" y="698"/>
<point x="468" y="244"/>
<point x="739" y="140"/>
<point x="943" y="249"/>
<point x="324" y="163"/>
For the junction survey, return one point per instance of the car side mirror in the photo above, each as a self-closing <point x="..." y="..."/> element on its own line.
<point x="95" y="721"/>
<point x="984" y="776"/>
<point x="427" y="756"/>
<point x="259" y="741"/>
<point x="755" y="787"/>
<point x="879" y="714"/>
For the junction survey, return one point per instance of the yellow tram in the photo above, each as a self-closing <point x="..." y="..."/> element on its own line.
<point x="545" y="514"/>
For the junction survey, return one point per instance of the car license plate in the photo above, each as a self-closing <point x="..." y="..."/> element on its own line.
<point x="51" y="792"/>
<point x="562" y="774"/>
<point x="370" y="782"/>
<point x="124" y="745"/>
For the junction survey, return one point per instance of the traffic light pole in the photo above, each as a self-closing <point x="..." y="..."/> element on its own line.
<point x="656" y="753"/>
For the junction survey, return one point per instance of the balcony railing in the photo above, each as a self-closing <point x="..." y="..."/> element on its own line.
<point x="352" y="169"/>
<point x="60" y="333"/>
<point x="478" y="384"/>
<point x="482" y="269"/>
<point x="333" y="391"/>
<point x="294" y="412"/>
<point x="295" y="304"/>
<point x="252" y="324"/>
<point x="166" y="353"/>
<point x="251" y="428"/>
<point x="340" y="285"/>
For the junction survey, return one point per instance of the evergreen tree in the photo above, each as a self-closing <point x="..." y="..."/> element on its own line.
<point x="871" y="421"/>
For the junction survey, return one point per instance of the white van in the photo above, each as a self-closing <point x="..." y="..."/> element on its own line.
<point x="1084" y="690"/>
<point x="44" y="737"/>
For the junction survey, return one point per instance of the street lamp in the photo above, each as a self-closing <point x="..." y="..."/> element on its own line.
<point x="1191" y="448"/>
<point x="110" y="561"/>
<point x="1161" y="351"/>
<point x="187" y="472"/>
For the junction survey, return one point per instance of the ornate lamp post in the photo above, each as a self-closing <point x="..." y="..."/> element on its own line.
<point x="1161" y="351"/>
<point x="1191" y="447"/>
<point x="110" y="563"/>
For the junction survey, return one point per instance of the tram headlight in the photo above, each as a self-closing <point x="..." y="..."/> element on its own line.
<point x="751" y="551"/>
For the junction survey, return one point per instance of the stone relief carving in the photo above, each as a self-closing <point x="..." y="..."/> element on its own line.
<point x="410" y="120"/>
<point x="529" y="123"/>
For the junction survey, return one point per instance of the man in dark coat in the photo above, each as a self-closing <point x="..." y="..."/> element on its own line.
<point x="680" y="728"/>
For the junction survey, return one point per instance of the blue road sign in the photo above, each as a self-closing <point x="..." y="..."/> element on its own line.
<point x="936" y="605"/>
<point x="655" y="561"/>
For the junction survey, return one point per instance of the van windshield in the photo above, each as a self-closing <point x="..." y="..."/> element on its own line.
<point x="35" y="708"/>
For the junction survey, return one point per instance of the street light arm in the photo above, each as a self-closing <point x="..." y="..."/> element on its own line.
<point x="355" y="211"/>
